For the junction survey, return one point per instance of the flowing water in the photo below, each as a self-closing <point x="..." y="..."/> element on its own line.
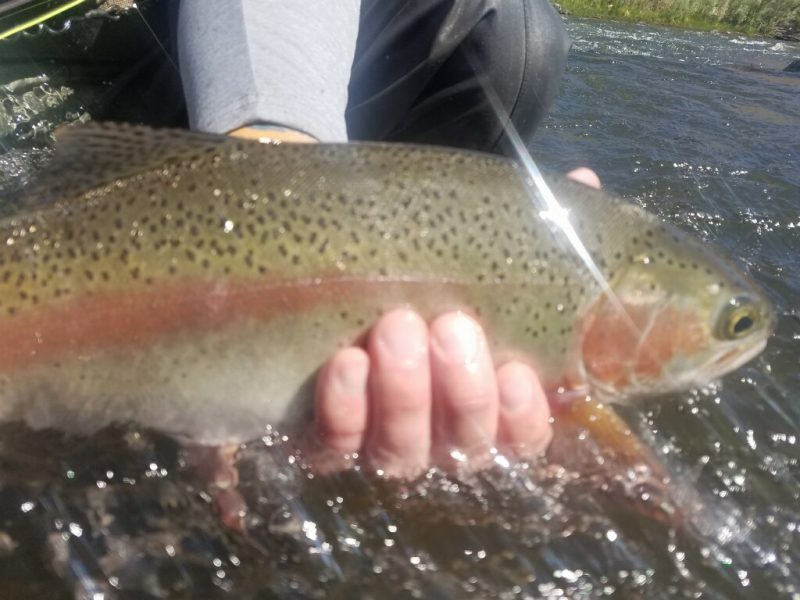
<point x="701" y="128"/>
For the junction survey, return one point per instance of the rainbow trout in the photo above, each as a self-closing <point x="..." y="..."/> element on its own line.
<point x="194" y="284"/>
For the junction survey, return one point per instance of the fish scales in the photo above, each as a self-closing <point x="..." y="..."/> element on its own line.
<point x="194" y="283"/>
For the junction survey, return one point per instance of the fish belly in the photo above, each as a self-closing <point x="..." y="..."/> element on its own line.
<point x="210" y="387"/>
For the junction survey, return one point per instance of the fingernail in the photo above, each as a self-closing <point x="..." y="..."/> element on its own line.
<point x="402" y="337"/>
<point x="351" y="378"/>
<point x="458" y="338"/>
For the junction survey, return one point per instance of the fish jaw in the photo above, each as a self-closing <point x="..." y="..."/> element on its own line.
<point x="728" y="358"/>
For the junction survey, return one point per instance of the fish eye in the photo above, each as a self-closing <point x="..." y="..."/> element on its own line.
<point x="737" y="319"/>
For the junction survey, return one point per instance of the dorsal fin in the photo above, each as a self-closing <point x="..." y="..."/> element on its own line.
<point x="95" y="154"/>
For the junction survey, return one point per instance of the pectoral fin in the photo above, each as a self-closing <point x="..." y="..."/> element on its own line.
<point x="606" y="429"/>
<point x="591" y="439"/>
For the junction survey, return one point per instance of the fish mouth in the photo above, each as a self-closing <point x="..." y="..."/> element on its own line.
<point x="730" y="359"/>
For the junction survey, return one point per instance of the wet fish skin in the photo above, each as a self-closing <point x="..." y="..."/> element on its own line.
<point x="194" y="283"/>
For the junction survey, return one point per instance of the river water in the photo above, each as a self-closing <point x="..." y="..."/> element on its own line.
<point x="700" y="128"/>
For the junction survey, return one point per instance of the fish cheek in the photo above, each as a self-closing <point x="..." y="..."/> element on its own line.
<point x="674" y="334"/>
<point x="632" y="347"/>
<point x="608" y="346"/>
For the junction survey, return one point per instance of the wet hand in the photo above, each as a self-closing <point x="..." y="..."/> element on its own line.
<point x="419" y="395"/>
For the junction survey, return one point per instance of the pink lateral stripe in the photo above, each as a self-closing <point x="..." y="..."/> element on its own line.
<point x="135" y="318"/>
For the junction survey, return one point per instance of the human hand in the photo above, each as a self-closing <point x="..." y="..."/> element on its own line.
<point x="272" y="134"/>
<point x="419" y="395"/>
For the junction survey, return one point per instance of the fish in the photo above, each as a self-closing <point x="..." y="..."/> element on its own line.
<point x="195" y="284"/>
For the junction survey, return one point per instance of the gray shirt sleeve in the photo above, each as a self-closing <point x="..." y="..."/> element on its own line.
<point x="275" y="61"/>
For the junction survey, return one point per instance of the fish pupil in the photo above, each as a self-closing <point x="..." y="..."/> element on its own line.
<point x="742" y="324"/>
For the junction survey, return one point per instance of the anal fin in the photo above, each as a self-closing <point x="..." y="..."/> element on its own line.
<point x="216" y="466"/>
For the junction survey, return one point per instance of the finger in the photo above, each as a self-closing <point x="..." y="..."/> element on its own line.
<point x="340" y="414"/>
<point x="524" y="424"/>
<point x="464" y="384"/>
<point x="585" y="176"/>
<point x="400" y="395"/>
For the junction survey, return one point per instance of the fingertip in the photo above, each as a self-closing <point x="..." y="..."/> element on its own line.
<point x="457" y="338"/>
<point x="341" y="401"/>
<point x="515" y="381"/>
<point x="464" y="384"/>
<point x="586" y="176"/>
<point x="524" y="422"/>
<point x="399" y="338"/>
